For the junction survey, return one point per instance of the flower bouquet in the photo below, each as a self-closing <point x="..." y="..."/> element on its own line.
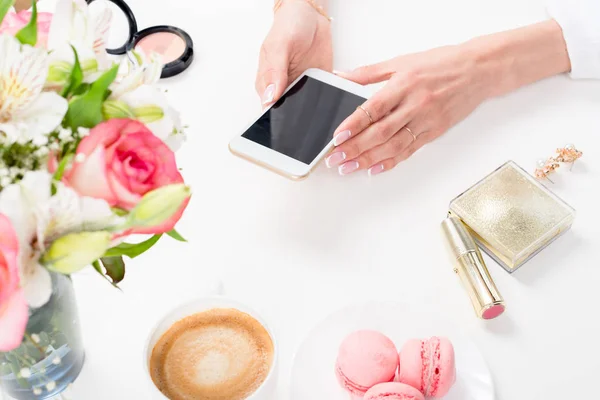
<point x="86" y="161"/>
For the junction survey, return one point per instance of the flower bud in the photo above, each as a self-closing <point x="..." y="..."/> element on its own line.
<point x="75" y="251"/>
<point x="112" y="109"/>
<point x="59" y="73"/>
<point x="158" y="206"/>
<point x="148" y="114"/>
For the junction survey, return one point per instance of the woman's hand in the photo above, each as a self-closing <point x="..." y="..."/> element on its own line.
<point x="300" y="38"/>
<point x="427" y="93"/>
<point x="430" y="92"/>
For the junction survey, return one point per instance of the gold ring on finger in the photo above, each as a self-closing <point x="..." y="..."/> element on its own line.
<point x="367" y="113"/>
<point x="412" y="134"/>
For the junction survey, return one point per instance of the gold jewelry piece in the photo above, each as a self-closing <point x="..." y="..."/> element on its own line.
<point x="565" y="155"/>
<point x="312" y="3"/>
<point x="411" y="132"/>
<point x="568" y="154"/>
<point x="545" y="168"/>
<point x="367" y="113"/>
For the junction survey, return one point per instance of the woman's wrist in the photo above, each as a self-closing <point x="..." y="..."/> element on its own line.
<point x="320" y="6"/>
<point x="508" y="60"/>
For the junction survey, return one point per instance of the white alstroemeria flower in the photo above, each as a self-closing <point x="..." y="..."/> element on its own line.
<point x="84" y="27"/>
<point x="39" y="218"/>
<point x="136" y="70"/>
<point x="25" y="111"/>
<point x="62" y="60"/>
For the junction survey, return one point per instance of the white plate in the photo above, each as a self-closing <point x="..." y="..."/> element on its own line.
<point x="312" y="371"/>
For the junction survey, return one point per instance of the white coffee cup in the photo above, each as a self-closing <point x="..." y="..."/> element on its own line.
<point x="265" y="392"/>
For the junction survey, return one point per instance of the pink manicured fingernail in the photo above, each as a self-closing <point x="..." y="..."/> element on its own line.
<point x="269" y="94"/>
<point x="335" y="159"/>
<point x="376" y="169"/>
<point x="341" y="137"/>
<point x="348" y="167"/>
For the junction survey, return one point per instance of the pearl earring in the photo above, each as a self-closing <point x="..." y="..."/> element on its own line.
<point x="568" y="154"/>
<point x="545" y="168"/>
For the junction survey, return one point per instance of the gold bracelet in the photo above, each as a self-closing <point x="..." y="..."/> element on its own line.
<point x="312" y="3"/>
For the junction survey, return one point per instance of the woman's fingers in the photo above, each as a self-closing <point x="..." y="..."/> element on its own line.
<point x="369" y="74"/>
<point x="372" y="112"/>
<point x="373" y="136"/>
<point x="272" y="76"/>
<point x="390" y="163"/>
<point x="373" y="159"/>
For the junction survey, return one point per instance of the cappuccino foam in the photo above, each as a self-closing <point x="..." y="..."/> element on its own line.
<point x="214" y="355"/>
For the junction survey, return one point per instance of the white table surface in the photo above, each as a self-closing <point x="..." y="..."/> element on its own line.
<point x="299" y="251"/>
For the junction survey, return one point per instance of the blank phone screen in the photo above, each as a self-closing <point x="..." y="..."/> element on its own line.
<point x="301" y="124"/>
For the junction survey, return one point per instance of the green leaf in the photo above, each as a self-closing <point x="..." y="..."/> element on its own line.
<point x="60" y="170"/>
<point x="33" y="352"/>
<point x="4" y="369"/>
<point x="119" y="211"/>
<point x="82" y="89"/>
<point x="175" y="235"/>
<point x="44" y="339"/>
<point x="12" y="359"/>
<point x="5" y="5"/>
<point x="59" y="339"/>
<point x="86" y="110"/>
<point x="98" y="268"/>
<point x="29" y="34"/>
<point x="22" y="382"/>
<point x="132" y="250"/>
<point x="115" y="268"/>
<point x="75" y="78"/>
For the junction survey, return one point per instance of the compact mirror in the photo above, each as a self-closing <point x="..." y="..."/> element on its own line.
<point x="173" y="44"/>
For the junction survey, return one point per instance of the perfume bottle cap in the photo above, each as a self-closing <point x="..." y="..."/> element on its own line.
<point x="470" y="266"/>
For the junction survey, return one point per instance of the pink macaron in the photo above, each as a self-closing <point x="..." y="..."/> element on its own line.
<point x="365" y="359"/>
<point x="428" y="365"/>
<point x="393" y="391"/>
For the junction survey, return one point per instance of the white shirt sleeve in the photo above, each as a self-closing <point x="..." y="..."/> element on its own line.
<point x="580" y="22"/>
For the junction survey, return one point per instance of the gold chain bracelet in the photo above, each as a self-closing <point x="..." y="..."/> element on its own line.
<point x="312" y="3"/>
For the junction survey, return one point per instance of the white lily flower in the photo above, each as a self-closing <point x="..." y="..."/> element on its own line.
<point x="76" y="23"/>
<point x="25" y="111"/>
<point x="39" y="218"/>
<point x="86" y="29"/>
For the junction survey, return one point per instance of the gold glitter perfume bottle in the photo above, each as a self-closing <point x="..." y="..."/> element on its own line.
<point x="512" y="216"/>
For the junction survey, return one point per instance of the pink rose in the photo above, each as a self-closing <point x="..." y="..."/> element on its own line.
<point x="14" y="22"/>
<point x="122" y="160"/>
<point x="13" y="307"/>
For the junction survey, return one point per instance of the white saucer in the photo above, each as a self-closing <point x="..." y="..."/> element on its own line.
<point x="313" y="369"/>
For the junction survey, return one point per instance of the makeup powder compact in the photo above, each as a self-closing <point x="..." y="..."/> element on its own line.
<point x="512" y="216"/>
<point x="173" y="44"/>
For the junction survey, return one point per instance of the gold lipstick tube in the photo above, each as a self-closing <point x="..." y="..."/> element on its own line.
<point x="469" y="265"/>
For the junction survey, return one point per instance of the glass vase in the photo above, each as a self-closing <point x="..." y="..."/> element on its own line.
<point x="51" y="355"/>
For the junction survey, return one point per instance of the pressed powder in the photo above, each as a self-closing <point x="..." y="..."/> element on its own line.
<point x="512" y="216"/>
<point x="172" y="44"/>
<point x="169" y="45"/>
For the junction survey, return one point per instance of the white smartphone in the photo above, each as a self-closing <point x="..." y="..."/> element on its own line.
<point x="293" y="135"/>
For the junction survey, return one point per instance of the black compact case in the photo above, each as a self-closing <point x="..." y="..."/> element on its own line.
<point x="170" y="69"/>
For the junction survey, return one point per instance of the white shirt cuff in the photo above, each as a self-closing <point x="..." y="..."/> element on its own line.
<point x="580" y="22"/>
